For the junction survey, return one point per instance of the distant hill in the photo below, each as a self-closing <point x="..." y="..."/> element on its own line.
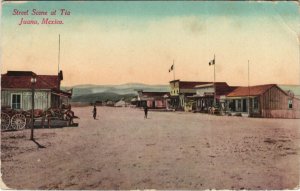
<point x="118" y="89"/>
<point x="91" y="93"/>
<point x="92" y="98"/>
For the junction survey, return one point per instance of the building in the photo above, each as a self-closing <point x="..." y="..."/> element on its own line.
<point x="16" y="90"/>
<point x="263" y="101"/>
<point x="121" y="103"/>
<point x="153" y="99"/>
<point x="179" y="92"/>
<point x="204" y="97"/>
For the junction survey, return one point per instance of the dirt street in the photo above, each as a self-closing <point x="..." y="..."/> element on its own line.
<point x="170" y="150"/>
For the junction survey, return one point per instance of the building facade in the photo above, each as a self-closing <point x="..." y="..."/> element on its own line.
<point x="205" y="95"/>
<point x="16" y="91"/>
<point x="263" y="101"/>
<point x="180" y="91"/>
<point x="152" y="99"/>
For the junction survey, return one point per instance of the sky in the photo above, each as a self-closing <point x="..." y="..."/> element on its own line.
<point x="121" y="42"/>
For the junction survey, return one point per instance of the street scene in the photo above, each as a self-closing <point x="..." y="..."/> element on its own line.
<point x="169" y="150"/>
<point x="138" y="95"/>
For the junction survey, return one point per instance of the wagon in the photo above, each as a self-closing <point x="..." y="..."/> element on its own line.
<point x="18" y="119"/>
<point x="13" y="119"/>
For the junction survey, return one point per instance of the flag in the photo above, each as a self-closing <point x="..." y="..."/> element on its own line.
<point x="172" y="68"/>
<point x="212" y="62"/>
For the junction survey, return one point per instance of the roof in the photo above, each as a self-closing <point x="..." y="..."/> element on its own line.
<point x="22" y="80"/>
<point x="250" y="91"/>
<point x="190" y="84"/>
<point x="204" y="85"/>
<point x="62" y="93"/>
<point x="155" y="90"/>
<point x="152" y="94"/>
<point x="222" y="88"/>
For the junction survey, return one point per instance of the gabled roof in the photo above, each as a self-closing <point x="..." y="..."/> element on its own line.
<point x="250" y="91"/>
<point x="22" y="80"/>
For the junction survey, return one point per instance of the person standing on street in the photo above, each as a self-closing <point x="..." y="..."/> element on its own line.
<point x="146" y="111"/>
<point x="94" y="112"/>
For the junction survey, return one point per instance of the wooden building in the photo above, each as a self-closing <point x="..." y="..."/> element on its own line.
<point x="204" y="97"/>
<point x="16" y="90"/>
<point x="179" y="92"/>
<point x="263" y="101"/>
<point x="153" y="99"/>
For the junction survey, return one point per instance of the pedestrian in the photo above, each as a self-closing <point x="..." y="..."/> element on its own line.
<point x="146" y="111"/>
<point x="95" y="112"/>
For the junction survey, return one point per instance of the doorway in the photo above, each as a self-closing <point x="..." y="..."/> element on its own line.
<point x="244" y="105"/>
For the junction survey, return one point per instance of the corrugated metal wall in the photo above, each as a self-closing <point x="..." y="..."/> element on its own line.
<point x="42" y="98"/>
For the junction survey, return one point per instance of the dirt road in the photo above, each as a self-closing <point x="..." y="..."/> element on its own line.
<point x="122" y="150"/>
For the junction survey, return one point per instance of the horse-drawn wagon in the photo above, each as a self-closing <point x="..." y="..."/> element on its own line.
<point x="18" y="119"/>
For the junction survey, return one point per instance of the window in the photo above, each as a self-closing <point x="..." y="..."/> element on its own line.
<point x="16" y="101"/>
<point x="239" y="105"/>
<point x="255" y="103"/>
<point x="290" y="102"/>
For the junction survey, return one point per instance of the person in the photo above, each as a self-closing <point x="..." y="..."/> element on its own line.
<point x="146" y="111"/>
<point x="94" y="112"/>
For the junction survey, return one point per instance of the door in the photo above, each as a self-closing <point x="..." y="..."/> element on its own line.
<point x="244" y="105"/>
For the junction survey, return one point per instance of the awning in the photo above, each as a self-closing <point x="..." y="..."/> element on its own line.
<point x="62" y="94"/>
<point x="242" y="97"/>
<point x="200" y="96"/>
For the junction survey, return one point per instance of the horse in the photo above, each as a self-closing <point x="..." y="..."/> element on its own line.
<point x="52" y="112"/>
<point x="64" y="114"/>
<point x="39" y="113"/>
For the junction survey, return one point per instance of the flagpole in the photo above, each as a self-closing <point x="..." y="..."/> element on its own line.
<point x="173" y="70"/>
<point x="214" y="79"/>
<point x="58" y="52"/>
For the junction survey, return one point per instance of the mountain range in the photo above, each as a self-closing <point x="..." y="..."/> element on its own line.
<point x="89" y="93"/>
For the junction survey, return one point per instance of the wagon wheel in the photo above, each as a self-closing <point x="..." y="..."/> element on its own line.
<point x="5" y="121"/>
<point x="18" y="121"/>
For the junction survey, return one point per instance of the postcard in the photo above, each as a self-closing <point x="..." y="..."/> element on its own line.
<point x="138" y="95"/>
